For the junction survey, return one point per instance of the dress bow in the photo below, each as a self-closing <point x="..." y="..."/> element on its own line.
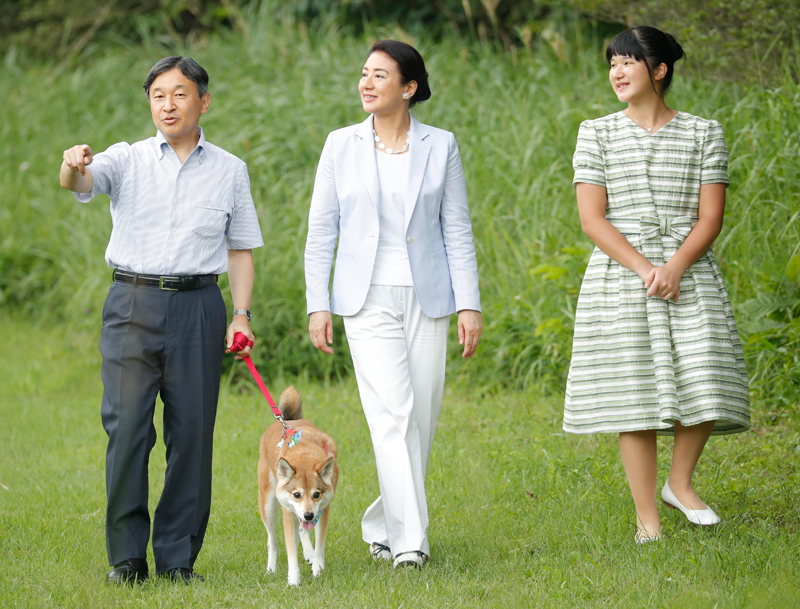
<point x="677" y="227"/>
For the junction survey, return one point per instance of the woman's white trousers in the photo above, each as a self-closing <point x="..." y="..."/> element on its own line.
<point x="399" y="355"/>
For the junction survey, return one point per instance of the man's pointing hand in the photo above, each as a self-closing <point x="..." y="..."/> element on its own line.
<point x="78" y="157"/>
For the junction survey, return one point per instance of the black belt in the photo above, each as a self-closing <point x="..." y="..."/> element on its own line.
<point x="165" y="282"/>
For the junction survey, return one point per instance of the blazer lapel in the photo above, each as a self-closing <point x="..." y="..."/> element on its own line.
<point x="419" y="148"/>
<point x="365" y="150"/>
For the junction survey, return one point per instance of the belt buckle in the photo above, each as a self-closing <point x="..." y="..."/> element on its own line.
<point x="161" y="283"/>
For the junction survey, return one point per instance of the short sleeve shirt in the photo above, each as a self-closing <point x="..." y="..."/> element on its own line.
<point x="171" y="218"/>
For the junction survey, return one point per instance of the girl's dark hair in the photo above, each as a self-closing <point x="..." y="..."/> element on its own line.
<point x="650" y="45"/>
<point x="188" y="67"/>
<point x="411" y="65"/>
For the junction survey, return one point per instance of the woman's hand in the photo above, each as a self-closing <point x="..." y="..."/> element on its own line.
<point x="470" y="328"/>
<point x="664" y="281"/>
<point x="320" y="328"/>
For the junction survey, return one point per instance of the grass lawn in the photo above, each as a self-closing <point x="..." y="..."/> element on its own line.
<point x="521" y="515"/>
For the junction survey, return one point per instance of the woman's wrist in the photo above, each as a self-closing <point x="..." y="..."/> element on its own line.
<point x="676" y="266"/>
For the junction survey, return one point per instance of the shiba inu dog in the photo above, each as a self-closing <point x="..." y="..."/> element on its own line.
<point x="297" y="471"/>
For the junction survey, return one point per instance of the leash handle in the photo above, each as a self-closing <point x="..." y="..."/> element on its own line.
<point x="240" y="342"/>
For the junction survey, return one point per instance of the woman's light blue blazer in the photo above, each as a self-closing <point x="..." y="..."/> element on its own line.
<point x="345" y="204"/>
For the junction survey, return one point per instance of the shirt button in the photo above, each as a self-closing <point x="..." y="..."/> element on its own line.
<point x="410" y="240"/>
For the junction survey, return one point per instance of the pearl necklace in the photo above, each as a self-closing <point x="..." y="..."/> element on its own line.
<point x="650" y="128"/>
<point x="383" y="147"/>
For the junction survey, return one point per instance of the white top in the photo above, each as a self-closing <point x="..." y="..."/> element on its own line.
<point x="391" y="261"/>
<point x="173" y="218"/>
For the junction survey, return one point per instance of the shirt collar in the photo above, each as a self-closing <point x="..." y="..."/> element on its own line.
<point x="161" y="141"/>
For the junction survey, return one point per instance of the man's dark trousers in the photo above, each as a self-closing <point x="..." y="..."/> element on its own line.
<point x="170" y="342"/>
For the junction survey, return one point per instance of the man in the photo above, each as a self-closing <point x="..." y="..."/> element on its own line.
<point x="182" y="214"/>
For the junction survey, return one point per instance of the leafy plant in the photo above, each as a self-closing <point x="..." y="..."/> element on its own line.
<point x="276" y="93"/>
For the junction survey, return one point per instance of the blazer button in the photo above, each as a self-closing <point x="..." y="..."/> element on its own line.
<point x="410" y="240"/>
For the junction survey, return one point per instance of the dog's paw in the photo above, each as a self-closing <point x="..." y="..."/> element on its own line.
<point x="308" y="547"/>
<point x="272" y="569"/>
<point x="317" y="568"/>
<point x="294" y="575"/>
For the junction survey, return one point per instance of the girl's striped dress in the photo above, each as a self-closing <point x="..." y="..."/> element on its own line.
<point x="643" y="363"/>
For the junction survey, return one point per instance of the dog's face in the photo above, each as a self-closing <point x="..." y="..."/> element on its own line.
<point x="305" y="489"/>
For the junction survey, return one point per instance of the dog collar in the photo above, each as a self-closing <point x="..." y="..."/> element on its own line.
<point x="291" y="437"/>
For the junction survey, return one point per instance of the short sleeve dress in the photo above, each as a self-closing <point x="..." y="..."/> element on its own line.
<point x="644" y="363"/>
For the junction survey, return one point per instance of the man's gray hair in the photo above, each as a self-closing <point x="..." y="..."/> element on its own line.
<point x="188" y="67"/>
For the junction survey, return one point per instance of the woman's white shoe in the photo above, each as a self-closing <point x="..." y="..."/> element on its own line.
<point x="380" y="552"/>
<point x="705" y="517"/>
<point x="410" y="559"/>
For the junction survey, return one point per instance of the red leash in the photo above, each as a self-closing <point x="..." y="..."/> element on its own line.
<point x="240" y="341"/>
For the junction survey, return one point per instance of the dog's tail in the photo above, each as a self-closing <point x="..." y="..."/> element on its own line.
<point x="290" y="404"/>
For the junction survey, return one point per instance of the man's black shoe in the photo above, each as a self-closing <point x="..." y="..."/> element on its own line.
<point x="128" y="572"/>
<point x="183" y="575"/>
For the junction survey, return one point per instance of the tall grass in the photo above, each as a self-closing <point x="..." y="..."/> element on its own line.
<point x="278" y="90"/>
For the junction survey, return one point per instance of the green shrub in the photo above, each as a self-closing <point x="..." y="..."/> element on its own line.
<point x="747" y="40"/>
<point x="278" y="91"/>
<point x="751" y="40"/>
<point x="41" y="29"/>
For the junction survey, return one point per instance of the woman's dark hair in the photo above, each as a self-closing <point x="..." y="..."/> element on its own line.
<point x="650" y="45"/>
<point x="188" y="67"/>
<point x="411" y="65"/>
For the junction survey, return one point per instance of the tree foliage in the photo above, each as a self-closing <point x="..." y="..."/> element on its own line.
<point x="750" y="40"/>
<point x="38" y="29"/>
<point x="729" y="39"/>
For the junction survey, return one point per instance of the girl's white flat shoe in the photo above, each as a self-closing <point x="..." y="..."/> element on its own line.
<point x="705" y="517"/>
<point x="643" y="537"/>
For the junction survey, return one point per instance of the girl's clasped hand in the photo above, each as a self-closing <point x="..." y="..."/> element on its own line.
<point x="663" y="281"/>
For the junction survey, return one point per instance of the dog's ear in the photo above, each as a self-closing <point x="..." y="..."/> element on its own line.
<point x="326" y="471"/>
<point x="285" y="471"/>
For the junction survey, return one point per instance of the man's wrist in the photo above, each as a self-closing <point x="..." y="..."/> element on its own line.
<point x="242" y="312"/>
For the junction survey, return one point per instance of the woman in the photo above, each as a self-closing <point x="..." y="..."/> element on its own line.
<point x="656" y="350"/>
<point x="392" y="190"/>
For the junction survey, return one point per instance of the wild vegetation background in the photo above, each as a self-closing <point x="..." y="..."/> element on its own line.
<point x="730" y="39"/>
<point x="512" y="80"/>
<point x="521" y="515"/>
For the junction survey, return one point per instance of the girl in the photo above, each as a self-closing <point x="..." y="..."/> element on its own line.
<point x="656" y="349"/>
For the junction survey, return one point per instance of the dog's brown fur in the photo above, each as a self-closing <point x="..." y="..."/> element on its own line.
<point x="290" y="477"/>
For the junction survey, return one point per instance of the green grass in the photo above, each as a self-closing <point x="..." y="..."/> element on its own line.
<point x="521" y="515"/>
